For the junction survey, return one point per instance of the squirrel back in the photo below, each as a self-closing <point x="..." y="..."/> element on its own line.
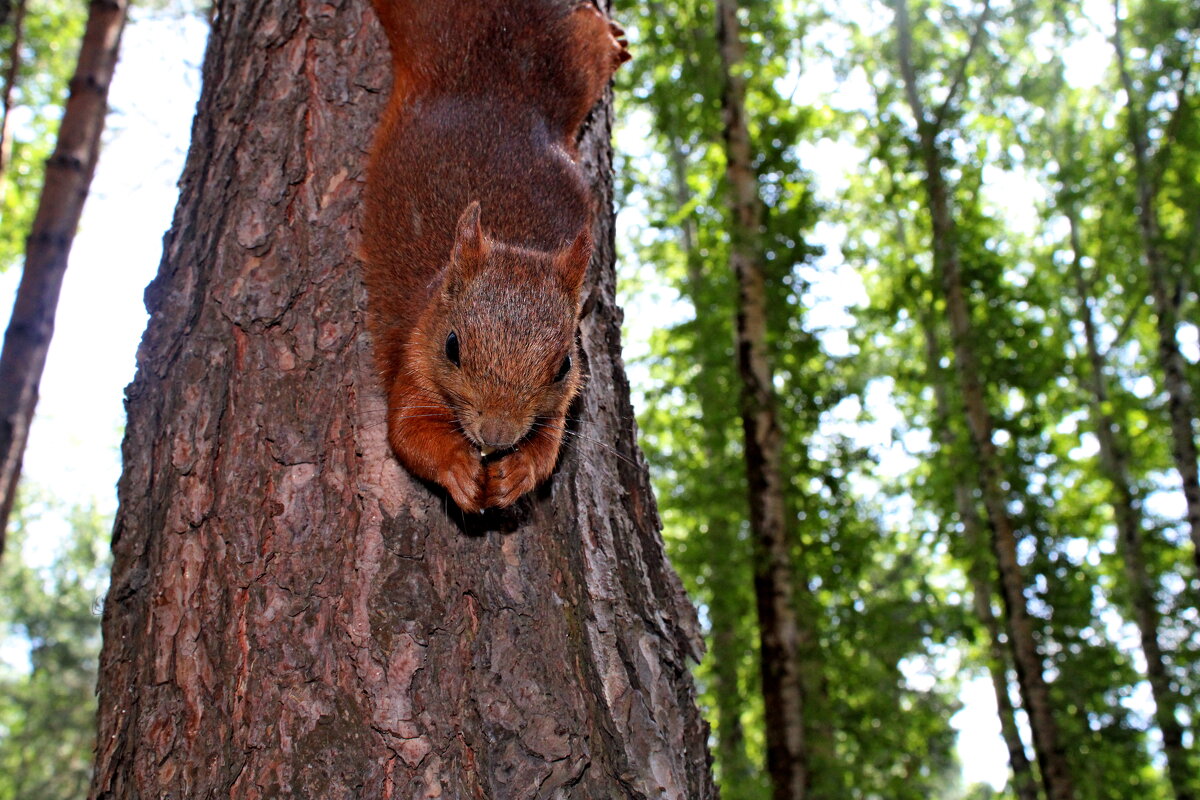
<point x="476" y="234"/>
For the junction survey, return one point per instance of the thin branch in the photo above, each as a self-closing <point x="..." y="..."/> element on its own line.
<point x="904" y="32"/>
<point x="961" y="74"/>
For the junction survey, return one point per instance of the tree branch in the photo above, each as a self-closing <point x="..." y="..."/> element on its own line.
<point x="961" y="73"/>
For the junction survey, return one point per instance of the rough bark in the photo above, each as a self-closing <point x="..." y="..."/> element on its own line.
<point x="1166" y="291"/>
<point x="1051" y="757"/>
<point x="69" y="173"/>
<point x="291" y="614"/>
<point x="1114" y="456"/>
<point x="779" y="633"/>
<point x="980" y="567"/>
<point x="12" y="71"/>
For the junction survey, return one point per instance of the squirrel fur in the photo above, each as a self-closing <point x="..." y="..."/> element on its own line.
<point x="476" y="234"/>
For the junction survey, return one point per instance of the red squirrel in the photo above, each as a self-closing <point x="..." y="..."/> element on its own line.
<point x="476" y="234"/>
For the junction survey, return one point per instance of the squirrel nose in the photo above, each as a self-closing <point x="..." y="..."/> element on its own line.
<point x="500" y="431"/>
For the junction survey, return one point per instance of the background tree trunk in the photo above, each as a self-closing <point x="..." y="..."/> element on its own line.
<point x="68" y="176"/>
<point x="980" y="568"/>
<point x="780" y="637"/>
<point x="290" y="611"/>
<point x="1166" y="290"/>
<point x="1027" y="659"/>
<point x="12" y="70"/>
<point x="1114" y="455"/>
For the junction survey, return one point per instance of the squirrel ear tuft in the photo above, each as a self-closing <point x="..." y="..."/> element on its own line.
<point x="571" y="264"/>
<point x="470" y="247"/>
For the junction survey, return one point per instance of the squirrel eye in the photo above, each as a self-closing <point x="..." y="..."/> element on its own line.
<point x="563" y="370"/>
<point x="452" y="348"/>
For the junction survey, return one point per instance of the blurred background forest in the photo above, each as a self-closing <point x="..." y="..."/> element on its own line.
<point x="911" y="294"/>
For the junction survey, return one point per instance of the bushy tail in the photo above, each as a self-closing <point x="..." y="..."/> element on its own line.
<point x="555" y="56"/>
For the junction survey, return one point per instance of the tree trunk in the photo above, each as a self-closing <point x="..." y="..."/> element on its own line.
<point x="979" y="568"/>
<point x="69" y="173"/>
<point x="780" y="637"/>
<point x="291" y="614"/>
<point x="1051" y="757"/>
<point x="1127" y="515"/>
<point x="725" y="646"/>
<point x="1167" y="295"/>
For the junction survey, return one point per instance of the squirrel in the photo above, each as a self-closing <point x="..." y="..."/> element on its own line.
<point x="477" y="234"/>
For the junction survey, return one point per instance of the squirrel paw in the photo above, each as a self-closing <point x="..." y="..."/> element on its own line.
<point x="600" y="42"/>
<point x="464" y="478"/>
<point x="509" y="478"/>
<point x="622" y="44"/>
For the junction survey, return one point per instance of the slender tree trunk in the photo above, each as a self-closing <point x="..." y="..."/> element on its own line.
<point x="1024" y="781"/>
<point x="1051" y="757"/>
<point x="1127" y="515"/>
<point x="787" y="759"/>
<point x="1166" y="292"/>
<point x="68" y="176"/>
<point x="12" y="72"/>
<point x="291" y="614"/>
<point x="725" y="649"/>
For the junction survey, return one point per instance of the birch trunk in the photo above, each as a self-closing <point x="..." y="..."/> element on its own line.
<point x="982" y="591"/>
<point x="1166" y="293"/>
<point x="291" y="614"/>
<point x="1052" y="763"/>
<point x="1126" y="513"/>
<point x="787" y="758"/>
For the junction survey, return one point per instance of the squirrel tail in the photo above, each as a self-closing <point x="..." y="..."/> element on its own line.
<point x="554" y="55"/>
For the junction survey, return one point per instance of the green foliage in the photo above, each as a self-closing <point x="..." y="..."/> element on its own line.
<point x="48" y="706"/>
<point x="866" y="618"/>
<point x="880" y="546"/>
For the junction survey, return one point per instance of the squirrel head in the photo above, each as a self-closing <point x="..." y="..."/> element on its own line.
<point x="500" y="334"/>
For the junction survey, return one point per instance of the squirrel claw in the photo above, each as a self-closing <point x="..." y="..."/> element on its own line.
<point x="464" y="481"/>
<point x="618" y="35"/>
<point x="508" y="479"/>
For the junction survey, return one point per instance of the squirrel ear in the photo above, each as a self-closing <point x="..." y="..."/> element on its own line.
<point x="571" y="264"/>
<point x="470" y="247"/>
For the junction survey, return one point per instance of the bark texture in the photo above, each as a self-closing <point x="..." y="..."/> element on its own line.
<point x="69" y="173"/>
<point x="291" y="614"/>
<point x="779" y="632"/>
<point x="1051" y="757"/>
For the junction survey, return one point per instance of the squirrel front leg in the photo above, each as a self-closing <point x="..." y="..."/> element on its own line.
<point x="426" y="436"/>
<point x="528" y="465"/>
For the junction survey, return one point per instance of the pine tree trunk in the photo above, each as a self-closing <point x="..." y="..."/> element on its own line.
<point x="291" y="614"/>
<point x="780" y="636"/>
<point x="69" y="173"/>
<point x="1115" y="457"/>
<point x="1166" y="292"/>
<point x="1051" y="757"/>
